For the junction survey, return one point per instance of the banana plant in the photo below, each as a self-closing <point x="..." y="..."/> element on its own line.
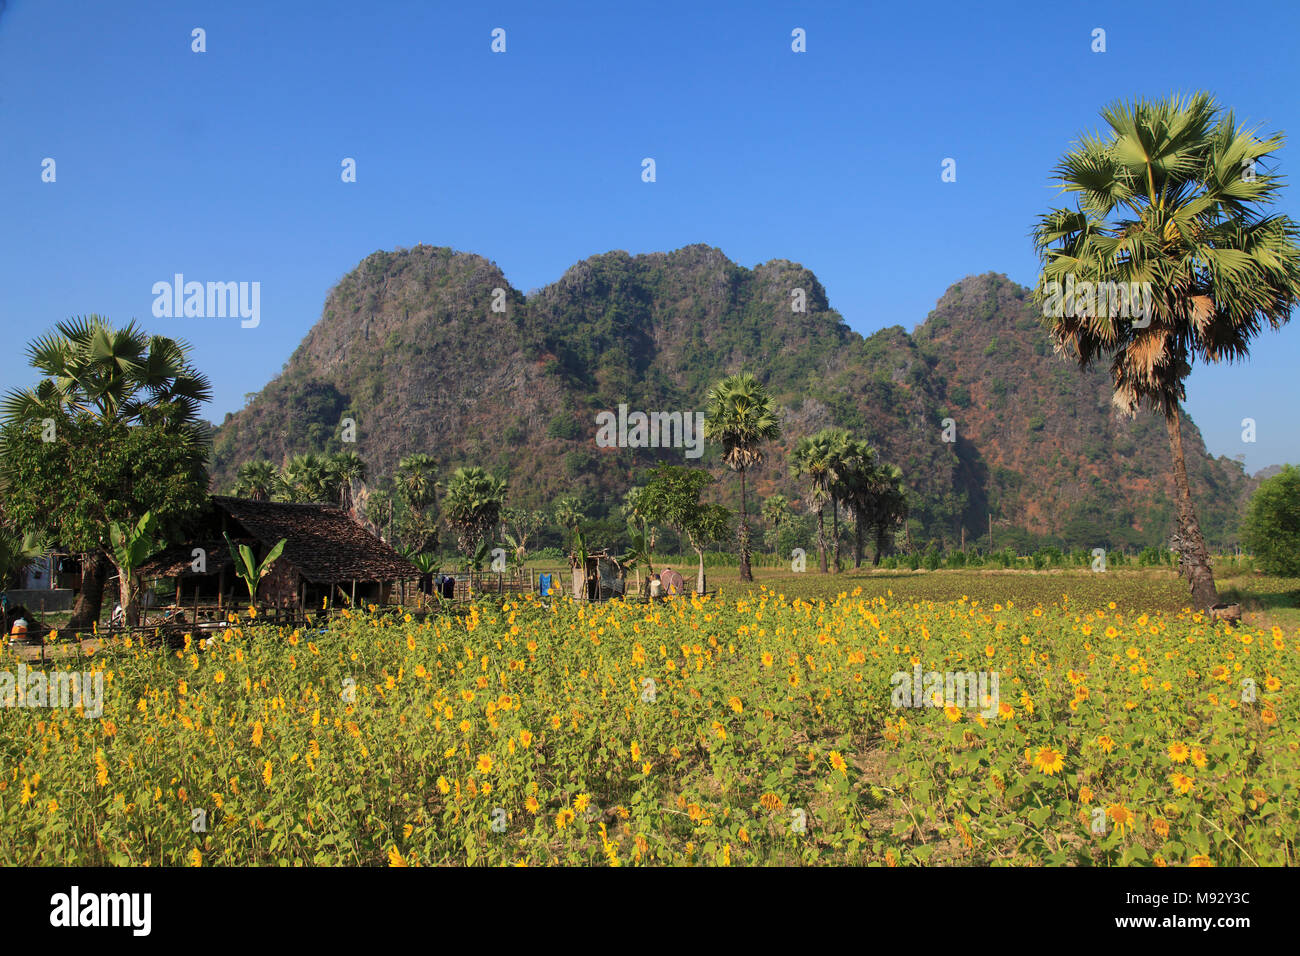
<point x="638" y="553"/>
<point x="130" y="547"/>
<point x="425" y="562"/>
<point x="249" y="570"/>
<point x="518" y="553"/>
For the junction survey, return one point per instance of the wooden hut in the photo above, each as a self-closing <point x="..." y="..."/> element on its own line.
<point x="601" y="577"/>
<point x="327" y="554"/>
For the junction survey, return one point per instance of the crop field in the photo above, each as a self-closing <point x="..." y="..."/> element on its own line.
<point x="792" y="723"/>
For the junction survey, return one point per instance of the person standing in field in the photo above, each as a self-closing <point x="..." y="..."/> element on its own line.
<point x="673" y="582"/>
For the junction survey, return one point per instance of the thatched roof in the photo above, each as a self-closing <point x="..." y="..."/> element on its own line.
<point x="322" y="541"/>
<point x="178" y="560"/>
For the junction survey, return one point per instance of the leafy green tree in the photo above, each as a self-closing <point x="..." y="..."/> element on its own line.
<point x="1272" y="526"/>
<point x="672" y="497"/>
<point x="99" y="382"/>
<point x="520" y="524"/>
<point x="95" y="475"/>
<point x="472" y="506"/>
<point x="1171" y="195"/>
<point x="742" y="417"/>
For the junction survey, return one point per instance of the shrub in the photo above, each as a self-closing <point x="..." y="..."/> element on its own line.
<point x="1272" y="525"/>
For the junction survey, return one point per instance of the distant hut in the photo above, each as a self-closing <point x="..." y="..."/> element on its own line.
<point x="327" y="554"/>
<point x="601" y="577"/>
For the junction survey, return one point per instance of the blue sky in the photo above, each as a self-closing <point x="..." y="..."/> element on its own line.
<point x="225" y="165"/>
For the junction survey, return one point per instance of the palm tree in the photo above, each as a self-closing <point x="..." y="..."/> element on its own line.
<point x="111" y="374"/>
<point x="307" y="478"/>
<point x="742" y="417"/>
<point x="257" y="480"/>
<point x="119" y="376"/>
<point x="776" y="512"/>
<point x="855" y="489"/>
<point x="854" y="462"/>
<point x="1170" y="196"/>
<point x="817" y="458"/>
<point x="350" y="469"/>
<point x="416" y="480"/>
<point x="888" y="505"/>
<point x="569" y="513"/>
<point x="472" y="506"/>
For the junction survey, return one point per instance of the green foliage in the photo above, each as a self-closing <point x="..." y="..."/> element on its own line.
<point x="1272" y="526"/>
<point x="96" y="473"/>
<point x="672" y="497"/>
<point x="249" y="569"/>
<point x="17" y="553"/>
<point x="472" y="506"/>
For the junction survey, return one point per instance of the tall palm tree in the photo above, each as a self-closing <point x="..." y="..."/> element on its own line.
<point x="1170" y="195"/>
<point x="855" y="489"/>
<point x="417" y="480"/>
<point x="257" y="480"/>
<point x="472" y="506"/>
<point x="742" y="417"/>
<point x="115" y="376"/>
<point x="817" y="459"/>
<point x="776" y="512"/>
<point x="569" y="513"/>
<point x="887" y="498"/>
<point x="350" y="469"/>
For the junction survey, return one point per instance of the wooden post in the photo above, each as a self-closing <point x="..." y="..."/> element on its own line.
<point x="354" y="592"/>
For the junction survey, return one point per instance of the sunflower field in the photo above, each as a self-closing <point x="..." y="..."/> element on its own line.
<point x="757" y="730"/>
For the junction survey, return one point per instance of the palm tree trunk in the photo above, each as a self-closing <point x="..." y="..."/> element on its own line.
<point x="745" y="573"/>
<point x="857" y="540"/>
<point x="1193" y="557"/>
<point x="821" y="539"/>
<point x="835" y="526"/>
<point x="90" y="602"/>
